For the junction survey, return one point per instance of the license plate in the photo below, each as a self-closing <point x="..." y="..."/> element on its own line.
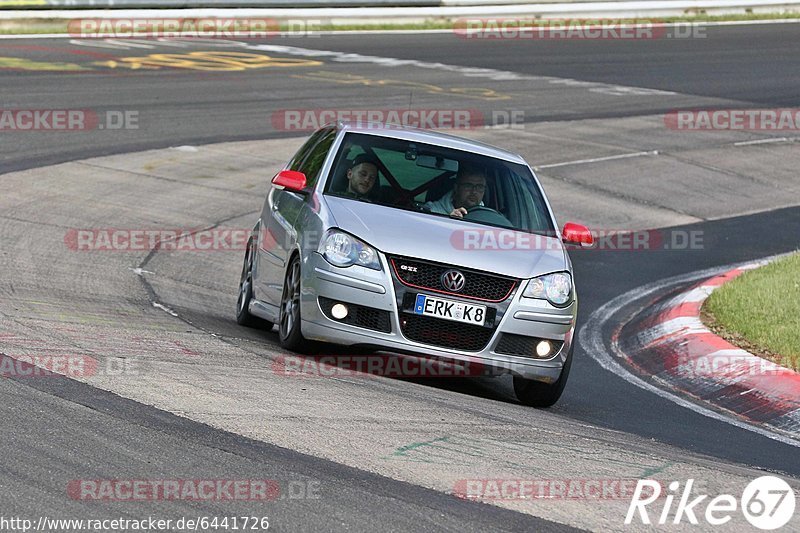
<point x="450" y="310"/>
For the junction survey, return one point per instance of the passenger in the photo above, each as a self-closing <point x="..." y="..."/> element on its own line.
<point x="361" y="177"/>
<point x="467" y="193"/>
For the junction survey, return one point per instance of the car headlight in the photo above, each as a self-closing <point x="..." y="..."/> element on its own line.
<point x="555" y="288"/>
<point x="343" y="250"/>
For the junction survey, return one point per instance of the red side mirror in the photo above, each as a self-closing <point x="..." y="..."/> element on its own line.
<point x="576" y="234"/>
<point x="290" y="179"/>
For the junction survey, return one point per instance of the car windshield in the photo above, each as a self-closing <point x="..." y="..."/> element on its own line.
<point x="436" y="180"/>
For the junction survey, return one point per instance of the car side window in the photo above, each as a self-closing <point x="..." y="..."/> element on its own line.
<point x="312" y="164"/>
<point x="301" y="154"/>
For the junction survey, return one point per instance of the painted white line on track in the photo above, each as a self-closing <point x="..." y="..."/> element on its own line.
<point x="344" y="57"/>
<point x="698" y="294"/>
<point x="470" y="72"/>
<point x="763" y="141"/>
<point x="590" y="338"/>
<point x="164" y="308"/>
<point x="598" y="159"/>
<point x="685" y="325"/>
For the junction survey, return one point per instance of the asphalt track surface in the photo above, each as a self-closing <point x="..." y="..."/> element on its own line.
<point x="724" y="68"/>
<point x="727" y="68"/>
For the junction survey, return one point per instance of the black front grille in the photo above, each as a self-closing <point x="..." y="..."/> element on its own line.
<point x="523" y="346"/>
<point x="428" y="276"/>
<point x="359" y="315"/>
<point x="445" y="333"/>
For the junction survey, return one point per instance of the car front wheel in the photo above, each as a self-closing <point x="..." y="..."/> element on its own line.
<point x="289" y="328"/>
<point x="539" y="394"/>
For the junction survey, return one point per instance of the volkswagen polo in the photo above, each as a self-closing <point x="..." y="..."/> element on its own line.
<point x="410" y="241"/>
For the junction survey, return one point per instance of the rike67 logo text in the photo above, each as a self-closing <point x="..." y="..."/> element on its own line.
<point x="767" y="502"/>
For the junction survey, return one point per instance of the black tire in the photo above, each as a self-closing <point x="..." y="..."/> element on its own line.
<point x="289" y="332"/>
<point x="539" y="394"/>
<point x="243" y="316"/>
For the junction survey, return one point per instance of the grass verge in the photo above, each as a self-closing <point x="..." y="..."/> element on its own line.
<point x="40" y="26"/>
<point x="760" y="311"/>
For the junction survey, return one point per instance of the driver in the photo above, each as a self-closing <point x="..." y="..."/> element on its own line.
<point x="467" y="193"/>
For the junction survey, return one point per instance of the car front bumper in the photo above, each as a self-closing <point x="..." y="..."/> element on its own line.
<point x="380" y="291"/>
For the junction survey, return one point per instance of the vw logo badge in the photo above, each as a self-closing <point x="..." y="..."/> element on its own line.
<point x="453" y="280"/>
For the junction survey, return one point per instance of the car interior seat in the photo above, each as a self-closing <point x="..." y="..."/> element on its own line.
<point x="439" y="189"/>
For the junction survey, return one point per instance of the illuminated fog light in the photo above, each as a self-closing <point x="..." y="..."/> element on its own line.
<point x="543" y="348"/>
<point x="339" y="311"/>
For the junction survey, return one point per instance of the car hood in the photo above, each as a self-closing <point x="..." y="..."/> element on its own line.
<point x="444" y="240"/>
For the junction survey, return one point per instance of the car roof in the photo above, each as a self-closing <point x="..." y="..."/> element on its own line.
<point x="409" y="133"/>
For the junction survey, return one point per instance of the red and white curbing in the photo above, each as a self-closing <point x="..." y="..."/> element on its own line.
<point x="675" y="347"/>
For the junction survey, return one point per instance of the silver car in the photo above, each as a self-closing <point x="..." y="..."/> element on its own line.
<point x="414" y="242"/>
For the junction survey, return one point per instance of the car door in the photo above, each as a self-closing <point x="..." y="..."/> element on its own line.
<point x="279" y="216"/>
